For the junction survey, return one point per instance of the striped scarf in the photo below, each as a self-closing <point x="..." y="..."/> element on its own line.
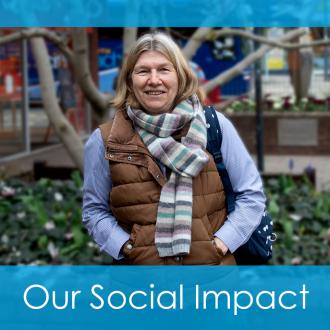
<point x="185" y="160"/>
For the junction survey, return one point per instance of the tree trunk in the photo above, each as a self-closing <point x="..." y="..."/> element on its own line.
<point x="63" y="128"/>
<point x="99" y="101"/>
<point x="300" y="64"/>
<point x="129" y="38"/>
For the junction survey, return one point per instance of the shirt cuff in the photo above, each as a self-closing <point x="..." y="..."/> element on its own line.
<point x="115" y="242"/>
<point x="228" y="234"/>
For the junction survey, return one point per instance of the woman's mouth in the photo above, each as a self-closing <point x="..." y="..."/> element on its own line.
<point x="154" y="93"/>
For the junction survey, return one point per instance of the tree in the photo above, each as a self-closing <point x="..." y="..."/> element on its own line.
<point x="78" y="57"/>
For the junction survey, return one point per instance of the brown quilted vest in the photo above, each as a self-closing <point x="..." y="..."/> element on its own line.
<point x="137" y="181"/>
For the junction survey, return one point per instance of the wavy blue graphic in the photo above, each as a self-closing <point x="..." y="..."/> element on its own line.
<point x="147" y="13"/>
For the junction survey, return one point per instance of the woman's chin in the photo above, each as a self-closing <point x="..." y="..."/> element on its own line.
<point x="155" y="109"/>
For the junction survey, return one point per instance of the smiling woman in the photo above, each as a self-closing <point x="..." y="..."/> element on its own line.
<point x="167" y="202"/>
<point x="154" y="82"/>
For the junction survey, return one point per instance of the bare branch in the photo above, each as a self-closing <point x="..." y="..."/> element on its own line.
<point x="195" y="41"/>
<point x="317" y="43"/>
<point x="63" y="128"/>
<point x="266" y="41"/>
<point x="251" y="58"/>
<point x="59" y="41"/>
<point x="78" y="58"/>
<point x="215" y="34"/>
<point x="99" y="101"/>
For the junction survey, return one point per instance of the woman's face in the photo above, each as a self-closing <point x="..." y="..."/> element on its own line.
<point x="154" y="82"/>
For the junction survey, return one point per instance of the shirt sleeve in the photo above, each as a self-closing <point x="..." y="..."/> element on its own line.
<point x="246" y="183"/>
<point x="97" y="216"/>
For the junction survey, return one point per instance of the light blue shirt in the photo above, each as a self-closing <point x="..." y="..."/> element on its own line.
<point x="243" y="174"/>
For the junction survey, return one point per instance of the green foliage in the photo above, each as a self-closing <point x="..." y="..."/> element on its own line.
<point x="301" y="220"/>
<point x="40" y="223"/>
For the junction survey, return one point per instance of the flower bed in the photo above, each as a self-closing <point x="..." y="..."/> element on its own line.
<point x="281" y="104"/>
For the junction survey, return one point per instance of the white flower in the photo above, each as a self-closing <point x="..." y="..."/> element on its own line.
<point x="295" y="217"/>
<point x="4" y="239"/>
<point x="7" y="191"/>
<point x="68" y="236"/>
<point x="20" y="215"/>
<point x="52" y="249"/>
<point x="18" y="253"/>
<point x="49" y="225"/>
<point x="277" y="105"/>
<point x="250" y="102"/>
<point x="291" y="101"/>
<point x="91" y="245"/>
<point x="296" y="261"/>
<point x="295" y="238"/>
<point x="58" y="197"/>
<point x="230" y="110"/>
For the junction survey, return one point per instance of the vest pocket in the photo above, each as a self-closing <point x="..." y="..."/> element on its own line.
<point x="132" y="239"/>
<point x="144" y="251"/>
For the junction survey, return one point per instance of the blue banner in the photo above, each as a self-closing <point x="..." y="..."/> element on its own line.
<point x="101" y="297"/>
<point x="162" y="13"/>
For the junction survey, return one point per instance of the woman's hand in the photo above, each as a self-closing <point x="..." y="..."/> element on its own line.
<point x="220" y="246"/>
<point x="126" y="248"/>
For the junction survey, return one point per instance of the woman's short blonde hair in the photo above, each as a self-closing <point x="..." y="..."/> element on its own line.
<point x="162" y="43"/>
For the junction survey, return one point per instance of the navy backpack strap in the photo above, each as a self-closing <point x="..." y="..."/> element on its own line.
<point x="214" y="140"/>
<point x="258" y="249"/>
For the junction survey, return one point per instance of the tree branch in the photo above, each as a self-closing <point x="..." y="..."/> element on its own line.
<point x="195" y="41"/>
<point x="60" y="42"/>
<point x="263" y="40"/>
<point x="63" y="128"/>
<point x="99" y="101"/>
<point x="78" y="59"/>
<point x="250" y="59"/>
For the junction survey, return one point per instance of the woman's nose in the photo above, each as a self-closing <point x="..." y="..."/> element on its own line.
<point x="154" y="78"/>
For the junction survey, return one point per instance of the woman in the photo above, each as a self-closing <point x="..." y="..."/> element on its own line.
<point x="167" y="204"/>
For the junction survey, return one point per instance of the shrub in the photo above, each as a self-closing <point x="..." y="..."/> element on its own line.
<point x="301" y="220"/>
<point x="40" y="223"/>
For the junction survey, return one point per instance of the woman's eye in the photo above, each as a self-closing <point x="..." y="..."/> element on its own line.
<point x="164" y="69"/>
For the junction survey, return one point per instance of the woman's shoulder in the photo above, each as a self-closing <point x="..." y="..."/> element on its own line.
<point x="223" y="120"/>
<point x="221" y="117"/>
<point x="95" y="138"/>
<point x="100" y="134"/>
